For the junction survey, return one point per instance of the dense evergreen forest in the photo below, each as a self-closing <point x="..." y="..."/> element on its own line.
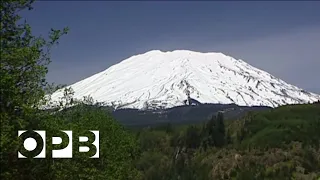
<point x="280" y="143"/>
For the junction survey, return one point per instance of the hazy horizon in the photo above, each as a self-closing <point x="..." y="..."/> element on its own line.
<point x="281" y="38"/>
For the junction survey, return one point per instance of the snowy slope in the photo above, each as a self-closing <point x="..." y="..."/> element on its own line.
<point x="162" y="79"/>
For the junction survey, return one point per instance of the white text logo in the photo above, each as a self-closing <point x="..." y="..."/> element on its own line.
<point x="34" y="144"/>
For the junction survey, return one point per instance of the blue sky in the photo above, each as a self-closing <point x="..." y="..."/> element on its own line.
<point x="282" y="38"/>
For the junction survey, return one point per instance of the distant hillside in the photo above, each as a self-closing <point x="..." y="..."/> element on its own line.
<point x="277" y="126"/>
<point x="181" y="114"/>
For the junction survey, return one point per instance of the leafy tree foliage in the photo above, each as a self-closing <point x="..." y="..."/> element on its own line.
<point x="118" y="148"/>
<point x="24" y="60"/>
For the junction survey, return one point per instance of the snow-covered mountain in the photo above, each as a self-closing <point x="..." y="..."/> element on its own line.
<point x="165" y="79"/>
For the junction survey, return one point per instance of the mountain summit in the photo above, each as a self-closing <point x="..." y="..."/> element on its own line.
<point x="159" y="79"/>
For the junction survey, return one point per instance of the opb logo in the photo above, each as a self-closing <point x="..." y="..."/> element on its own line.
<point x="34" y="144"/>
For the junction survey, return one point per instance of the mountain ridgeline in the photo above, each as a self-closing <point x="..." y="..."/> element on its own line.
<point x="162" y="80"/>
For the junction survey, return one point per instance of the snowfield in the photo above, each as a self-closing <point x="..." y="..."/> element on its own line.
<point x="163" y="79"/>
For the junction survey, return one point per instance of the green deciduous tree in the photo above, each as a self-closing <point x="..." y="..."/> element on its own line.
<point x="118" y="148"/>
<point x="24" y="61"/>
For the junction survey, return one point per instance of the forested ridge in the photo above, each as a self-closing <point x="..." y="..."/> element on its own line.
<point x="280" y="143"/>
